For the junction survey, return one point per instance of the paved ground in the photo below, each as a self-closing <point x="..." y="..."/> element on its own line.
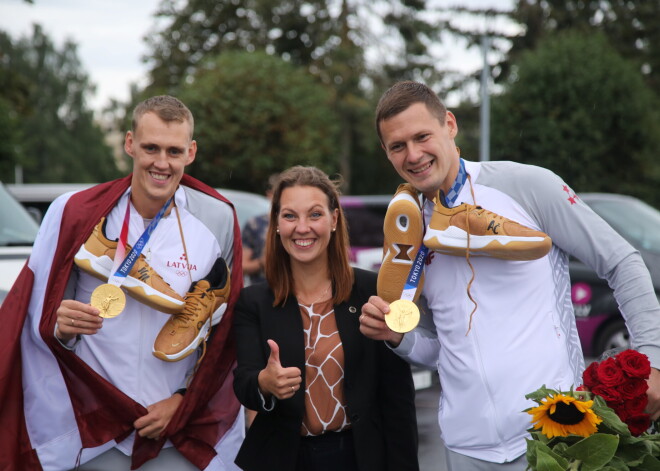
<point x="431" y="451"/>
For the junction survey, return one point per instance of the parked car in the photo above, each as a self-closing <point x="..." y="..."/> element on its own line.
<point x="599" y="322"/>
<point x="36" y="197"/>
<point x="365" y="216"/>
<point x="22" y="207"/>
<point x="17" y="233"/>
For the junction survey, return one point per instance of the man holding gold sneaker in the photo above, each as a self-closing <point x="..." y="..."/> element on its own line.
<point x="487" y="247"/>
<point x="119" y="364"/>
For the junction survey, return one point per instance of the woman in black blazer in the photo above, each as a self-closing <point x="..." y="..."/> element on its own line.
<point x="327" y="397"/>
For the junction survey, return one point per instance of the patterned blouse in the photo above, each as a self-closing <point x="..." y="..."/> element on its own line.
<point x="325" y="407"/>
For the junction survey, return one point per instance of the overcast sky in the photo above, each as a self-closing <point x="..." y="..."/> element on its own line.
<point x="109" y="35"/>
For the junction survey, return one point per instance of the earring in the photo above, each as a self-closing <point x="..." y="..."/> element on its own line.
<point x="334" y="229"/>
<point x="277" y="230"/>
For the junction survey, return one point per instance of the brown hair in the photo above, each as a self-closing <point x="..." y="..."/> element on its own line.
<point x="404" y="94"/>
<point x="166" y="108"/>
<point x="278" y="262"/>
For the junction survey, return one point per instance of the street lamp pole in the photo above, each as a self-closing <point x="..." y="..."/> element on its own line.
<point x="484" y="142"/>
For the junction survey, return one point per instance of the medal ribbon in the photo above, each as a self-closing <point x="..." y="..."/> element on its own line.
<point x="449" y="199"/>
<point x="122" y="265"/>
<point x="415" y="274"/>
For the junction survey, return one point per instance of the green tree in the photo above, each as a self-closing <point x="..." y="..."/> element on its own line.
<point x="255" y="115"/>
<point x="52" y="131"/>
<point x="631" y="26"/>
<point x="327" y="37"/>
<point x="317" y="34"/>
<point x="575" y="106"/>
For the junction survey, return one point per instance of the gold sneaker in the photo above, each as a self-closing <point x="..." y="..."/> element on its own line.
<point x="467" y="227"/>
<point x="403" y="229"/>
<point x="206" y="302"/>
<point x="96" y="257"/>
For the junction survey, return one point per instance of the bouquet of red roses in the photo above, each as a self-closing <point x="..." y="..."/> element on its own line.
<point x="621" y="381"/>
<point x="599" y="426"/>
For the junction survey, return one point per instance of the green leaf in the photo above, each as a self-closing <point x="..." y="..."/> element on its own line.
<point x="611" y="422"/>
<point x="547" y="462"/>
<point x="541" y="457"/>
<point x="537" y="435"/>
<point x="594" y="451"/>
<point x="609" y="467"/>
<point x="633" y="452"/>
<point x="540" y="394"/>
<point x="616" y="464"/>
<point x="649" y="463"/>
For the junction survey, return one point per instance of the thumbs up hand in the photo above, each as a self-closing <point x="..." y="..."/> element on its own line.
<point x="275" y="380"/>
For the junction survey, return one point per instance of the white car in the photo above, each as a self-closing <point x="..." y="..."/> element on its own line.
<point x="36" y="197"/>
<point x="17" y="232"/>
<point x="22" y="207"/>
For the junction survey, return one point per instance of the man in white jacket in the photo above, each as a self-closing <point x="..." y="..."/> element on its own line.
<point x="93" y="391"/>
<point x="523" y="333"/>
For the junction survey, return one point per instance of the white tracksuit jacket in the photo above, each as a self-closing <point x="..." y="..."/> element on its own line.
<point x="523" y="333"/>
<point x="121" y="350"/>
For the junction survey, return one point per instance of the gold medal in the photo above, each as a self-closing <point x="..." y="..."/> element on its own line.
<point x="403" y="316"/>
<point x="109" y="299"/>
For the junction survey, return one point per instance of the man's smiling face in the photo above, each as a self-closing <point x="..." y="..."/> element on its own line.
<point x="160" y="150"/>
<point x="422" y="149"/>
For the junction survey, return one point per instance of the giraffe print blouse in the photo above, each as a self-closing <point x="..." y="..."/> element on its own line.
<point x="325" y="406"/>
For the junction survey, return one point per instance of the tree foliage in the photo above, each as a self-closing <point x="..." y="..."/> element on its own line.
<point x="326" y="37"/>
<point x="632" y="27"/>
<point x="575" y="106"/>
<point x="255" y="115"/>
<point x="49" y="131"/>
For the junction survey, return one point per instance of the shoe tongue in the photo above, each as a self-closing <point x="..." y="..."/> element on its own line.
<point x="203" y="285"/>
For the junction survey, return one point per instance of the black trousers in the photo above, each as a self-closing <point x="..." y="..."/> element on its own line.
<point x="331" y="451"/>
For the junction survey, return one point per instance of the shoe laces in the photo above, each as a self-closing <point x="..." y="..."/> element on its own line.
<point x="193" y="308"/>
<point x="479" y="211"/>
<point x="145" y="266"/>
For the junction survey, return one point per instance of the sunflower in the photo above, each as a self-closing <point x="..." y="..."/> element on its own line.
<point x="561" y="415"/>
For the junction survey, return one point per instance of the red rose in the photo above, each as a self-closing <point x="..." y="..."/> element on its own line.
<point x="610" y="395"/>
<point x="638" y="424"/>
<point x="634" y="364"/>
<point x="590" y="376"/>
<point x="632" y="388"/>
<point x="609" y="373"/>
<point x="636" y="405"/>
<point x="620" y="410"/>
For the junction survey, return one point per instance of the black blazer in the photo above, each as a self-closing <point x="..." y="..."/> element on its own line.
<point x="378" y="386"/>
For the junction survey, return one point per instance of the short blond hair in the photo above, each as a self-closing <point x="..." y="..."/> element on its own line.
<point x="167" y="108"/>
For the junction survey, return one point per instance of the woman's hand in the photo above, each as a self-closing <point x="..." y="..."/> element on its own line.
<point x="276" y="380"/>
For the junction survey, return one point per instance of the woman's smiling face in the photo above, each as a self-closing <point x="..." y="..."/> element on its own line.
<point x="305" y="223"/>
